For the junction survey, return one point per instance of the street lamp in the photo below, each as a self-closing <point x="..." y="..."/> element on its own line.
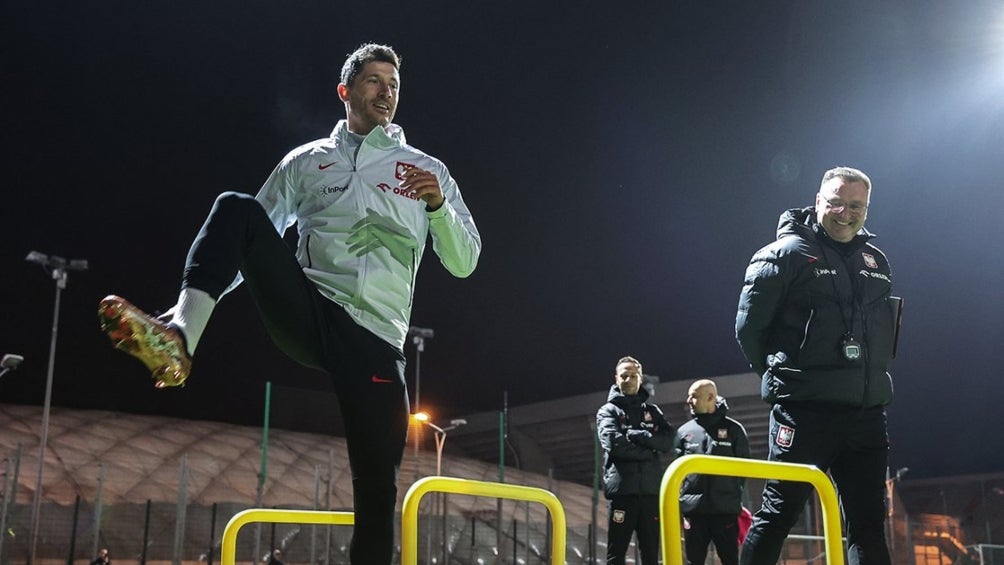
<point x="890" y="485"/>
<point x="440" y="437"/>
<point x="58" y="267"/>
<point x="10" y="362"/>
<point x="439" y="434"/>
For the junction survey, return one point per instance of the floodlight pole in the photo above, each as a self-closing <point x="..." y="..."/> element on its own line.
<point x="418" y="337"/>
<point x="58" y="267"/>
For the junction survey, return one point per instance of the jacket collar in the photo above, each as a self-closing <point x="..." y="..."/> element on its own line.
<point x="802" y="221"/>
<point x="617" y="397"/>
<point x="381" y="137"/>
<point x="715" y="418"/>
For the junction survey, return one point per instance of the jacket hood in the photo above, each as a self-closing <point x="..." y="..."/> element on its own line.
<point x="796" y="221"/>
<point x="802" y="221"/>
<point x="616" y="396"/>
<point x="721" y="405"/>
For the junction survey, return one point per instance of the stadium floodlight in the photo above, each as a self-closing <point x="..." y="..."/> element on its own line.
<point x="10" y="362"/>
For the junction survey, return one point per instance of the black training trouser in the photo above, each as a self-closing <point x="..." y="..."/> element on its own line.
<point x="720" y="529"/>
<point x="853" y="445"/>
<point x="367" y="372"/>
<point x="629" y="514"/>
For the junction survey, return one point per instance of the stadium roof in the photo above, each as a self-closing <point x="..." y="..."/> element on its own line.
<point x="140" y="458"/>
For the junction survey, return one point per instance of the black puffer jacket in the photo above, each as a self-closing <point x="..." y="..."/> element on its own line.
<point x="712" y="434"/>
<point x="802" y="294"/>
<point x="633" y="434"/>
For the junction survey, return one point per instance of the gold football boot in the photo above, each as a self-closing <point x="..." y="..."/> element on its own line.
<point x="159" y="346"/>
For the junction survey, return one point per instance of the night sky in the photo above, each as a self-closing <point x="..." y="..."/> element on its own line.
<point x="623" y="160"/>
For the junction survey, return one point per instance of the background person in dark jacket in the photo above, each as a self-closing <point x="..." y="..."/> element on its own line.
<point x="711" y="503"/>
<point x="633" y="434"/>
<point x="816" y="319"/>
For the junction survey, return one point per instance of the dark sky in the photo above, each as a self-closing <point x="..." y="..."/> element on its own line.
<point x="622" y="160"/>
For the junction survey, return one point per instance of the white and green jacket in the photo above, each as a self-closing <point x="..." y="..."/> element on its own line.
<point x="361" y="239"/>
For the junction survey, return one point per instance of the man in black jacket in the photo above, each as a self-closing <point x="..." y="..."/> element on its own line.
<point x="711" y="503"/>
<point x="633" y="434"/>
<point x="816" y="319"/>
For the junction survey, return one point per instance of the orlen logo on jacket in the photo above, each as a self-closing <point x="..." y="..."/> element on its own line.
<point x="396" y="190"/>
<point x="401" y="169"/>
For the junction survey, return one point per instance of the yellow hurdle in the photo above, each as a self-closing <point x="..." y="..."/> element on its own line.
<point x="669" y="511"/>
<point x="409" y="511"/>
<point x="228" y="551"/>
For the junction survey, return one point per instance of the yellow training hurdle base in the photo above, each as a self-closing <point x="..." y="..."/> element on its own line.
<point x="409" y="511"/>
<point x="669" y="496"/>
<point x="228" y="551"/>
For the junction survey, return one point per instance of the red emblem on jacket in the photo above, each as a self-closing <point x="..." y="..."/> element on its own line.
<point x="785" y="436"/>
<point x="402" y="169"/>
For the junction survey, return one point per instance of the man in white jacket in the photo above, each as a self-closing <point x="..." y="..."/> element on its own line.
<point x="364" y="203"/>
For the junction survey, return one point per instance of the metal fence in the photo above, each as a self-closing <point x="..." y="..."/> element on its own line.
<point x="157" y="533"/>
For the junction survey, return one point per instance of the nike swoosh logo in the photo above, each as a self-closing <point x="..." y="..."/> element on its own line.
<point x="322" y="167"/>
<point x="378" y="380"/>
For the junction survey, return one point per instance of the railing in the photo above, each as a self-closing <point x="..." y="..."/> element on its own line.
<point x="985" y="550"/>
<point x="228" y="550"/>
<point x="669" y="507"/>
<point x="409" y="510"/>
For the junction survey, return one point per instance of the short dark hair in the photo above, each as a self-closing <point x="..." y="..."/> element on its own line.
<point x="364" y="54"/>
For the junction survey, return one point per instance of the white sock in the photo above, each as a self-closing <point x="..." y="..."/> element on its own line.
<point x="192" y="314"/>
